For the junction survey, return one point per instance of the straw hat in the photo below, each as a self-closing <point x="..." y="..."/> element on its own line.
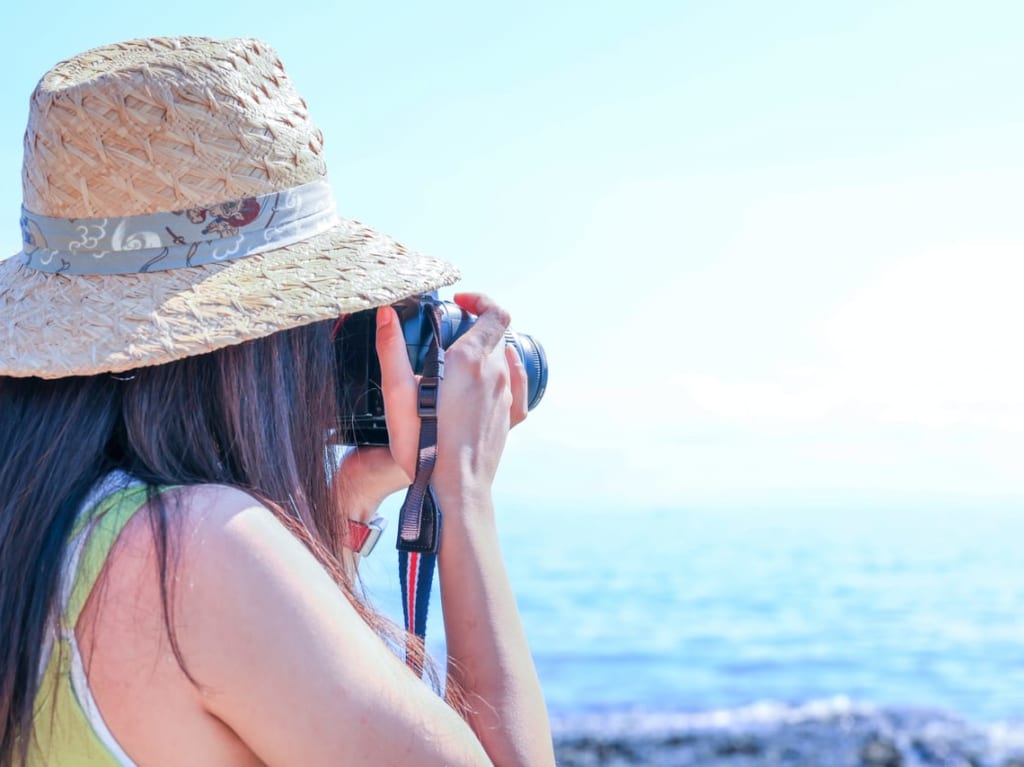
<point x="176" y="202"/>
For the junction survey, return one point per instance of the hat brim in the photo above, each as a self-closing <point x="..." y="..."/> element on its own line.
<point x="62" y="325"/>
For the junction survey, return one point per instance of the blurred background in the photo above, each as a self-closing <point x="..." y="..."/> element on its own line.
<point x="774" y="253"/>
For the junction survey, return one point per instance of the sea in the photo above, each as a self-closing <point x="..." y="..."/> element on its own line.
<point x="739" y="635"/>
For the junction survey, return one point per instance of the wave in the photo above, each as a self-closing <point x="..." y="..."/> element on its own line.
<point x="833" y="732"/>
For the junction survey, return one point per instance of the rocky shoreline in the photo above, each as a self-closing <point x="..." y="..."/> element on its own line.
<point x="835" y="735"/>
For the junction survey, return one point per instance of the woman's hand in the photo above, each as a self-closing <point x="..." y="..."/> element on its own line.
<point x="368" y="474"/>
<point x="484" y="394"/>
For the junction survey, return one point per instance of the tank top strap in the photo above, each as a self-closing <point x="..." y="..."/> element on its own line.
<point x="68" y="727"/>
<point x="92" y="539"/>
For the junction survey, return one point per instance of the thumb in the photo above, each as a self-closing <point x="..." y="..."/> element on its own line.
<point x="394" y="358"/>
<point x="398" y="386"/>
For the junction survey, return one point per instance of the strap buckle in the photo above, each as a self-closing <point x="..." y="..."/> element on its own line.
<point x="426" y="400"/>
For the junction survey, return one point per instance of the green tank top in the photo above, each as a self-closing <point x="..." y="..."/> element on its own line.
<point x="67" y="726"/>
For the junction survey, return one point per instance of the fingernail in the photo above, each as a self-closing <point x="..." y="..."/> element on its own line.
<point x="383" y="316"/>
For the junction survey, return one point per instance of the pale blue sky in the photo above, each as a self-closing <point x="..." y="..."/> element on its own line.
<point x="775" y="251"/>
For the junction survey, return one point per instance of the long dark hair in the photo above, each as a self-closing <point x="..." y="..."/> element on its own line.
<point x="255" y="416"/>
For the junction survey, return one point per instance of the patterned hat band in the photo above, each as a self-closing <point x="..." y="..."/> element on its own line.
<point x="183" y="238"/>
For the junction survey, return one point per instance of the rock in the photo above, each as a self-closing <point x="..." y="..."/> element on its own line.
<point x="897" y="738"/>
<point x="739" y="745"/>
<point x="953" y="753"/>
<point x="679" y="739"/>
<point x="880" y="752"/>
<point x="589" y="750"/>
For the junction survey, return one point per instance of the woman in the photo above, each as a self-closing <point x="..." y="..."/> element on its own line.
<point x="175" y="584"/>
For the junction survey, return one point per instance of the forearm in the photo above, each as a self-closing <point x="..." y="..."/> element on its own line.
<point x="490" y="657"/>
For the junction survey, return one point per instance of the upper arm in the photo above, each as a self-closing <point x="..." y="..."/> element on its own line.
<point x="283" y="658"/>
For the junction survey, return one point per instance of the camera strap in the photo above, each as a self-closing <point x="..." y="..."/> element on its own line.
<point x="419" y="521"/>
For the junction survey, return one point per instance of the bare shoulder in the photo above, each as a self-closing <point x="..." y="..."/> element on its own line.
<point x="194" y="514"/>
<point x="234" y="557"/>
<point x="268" y="633"/>
<point x="206" y="509"/>
<point x="276" y="653"/>
<point x="208" y="515"/>
<point x="147" y="700"/>
<point x="218" y="532"/>
<point x="216" y="498"/>
<point x="206" y="530"/>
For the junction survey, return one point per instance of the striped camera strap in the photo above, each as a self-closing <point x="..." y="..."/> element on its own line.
<point x="419" y="521"/>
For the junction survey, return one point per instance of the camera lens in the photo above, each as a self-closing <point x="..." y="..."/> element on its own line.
<point x="535" y="362"/>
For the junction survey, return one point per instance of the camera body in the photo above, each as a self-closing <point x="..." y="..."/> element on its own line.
<point x="360" y="398"/>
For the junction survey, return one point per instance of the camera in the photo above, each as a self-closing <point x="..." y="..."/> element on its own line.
<point x="360" y="398"/>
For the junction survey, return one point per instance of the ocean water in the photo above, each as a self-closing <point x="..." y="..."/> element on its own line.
<point x="698" y="616"/>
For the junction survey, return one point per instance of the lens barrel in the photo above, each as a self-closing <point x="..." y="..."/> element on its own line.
<point x="534" y="361"/>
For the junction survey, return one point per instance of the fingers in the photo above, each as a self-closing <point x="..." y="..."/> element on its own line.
<point x="488" y="336"/>
<point x="492" y="322"/>
<point x="519" y="383"/>
<point x="475" y="303"/>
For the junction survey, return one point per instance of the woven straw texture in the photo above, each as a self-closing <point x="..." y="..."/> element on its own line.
<point x="170" y="124"/>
